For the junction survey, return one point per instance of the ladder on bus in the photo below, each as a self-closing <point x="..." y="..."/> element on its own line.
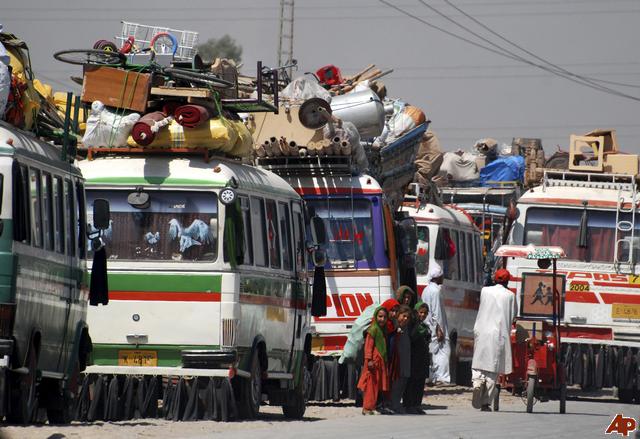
<point x="624" y="258"/>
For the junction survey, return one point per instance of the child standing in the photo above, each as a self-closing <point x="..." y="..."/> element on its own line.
<point x="400" y="364"/>
<point x="374" y="377"/>
<point x="420" y="338"/>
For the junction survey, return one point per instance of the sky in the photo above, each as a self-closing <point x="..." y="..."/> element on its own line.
<point x="468" y="92"/>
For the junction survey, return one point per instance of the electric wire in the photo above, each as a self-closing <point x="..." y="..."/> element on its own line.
<point x="505" y="53"/>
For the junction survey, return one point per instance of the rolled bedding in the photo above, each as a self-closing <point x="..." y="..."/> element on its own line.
<point x="144" y="131"/>
<point x="192" y="116"/>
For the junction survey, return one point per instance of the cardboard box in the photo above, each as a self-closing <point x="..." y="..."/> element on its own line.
<point x="621" y="164"/>
<point x="116" y="88"/>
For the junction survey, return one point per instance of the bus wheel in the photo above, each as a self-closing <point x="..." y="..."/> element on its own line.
<point x="296" y="402"/>
<point x="23" y="397"/>
<point x="251" y="394"/>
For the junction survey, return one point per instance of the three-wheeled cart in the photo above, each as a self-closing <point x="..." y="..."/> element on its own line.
<point x="538" y="372"/>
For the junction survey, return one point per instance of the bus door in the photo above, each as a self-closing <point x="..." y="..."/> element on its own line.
<point x="297" y="250"/>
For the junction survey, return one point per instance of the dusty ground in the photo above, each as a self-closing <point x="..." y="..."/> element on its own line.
<point x="438" y="400"/>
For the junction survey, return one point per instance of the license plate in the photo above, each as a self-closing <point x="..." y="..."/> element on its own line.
<point x="137" y="358"/>
<point x="625" y="311"/>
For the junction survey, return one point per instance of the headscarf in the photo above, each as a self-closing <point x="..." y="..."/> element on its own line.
<point x="421" y="327"/>
<point x="435" y="271"/>
<point x="502" y="276"/>
<point x="389" y="304"/>
<point x="378" y="334"/>
<point x="402" y="292"/>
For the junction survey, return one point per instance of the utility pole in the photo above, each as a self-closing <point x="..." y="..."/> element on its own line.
<point x="285" y="54"/>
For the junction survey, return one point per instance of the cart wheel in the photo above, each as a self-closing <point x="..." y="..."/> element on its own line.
<point x="531" y="390"/>
<point x="496" y="401"/>
<point x="90" y="57"/>
<point x="563" y="398"/>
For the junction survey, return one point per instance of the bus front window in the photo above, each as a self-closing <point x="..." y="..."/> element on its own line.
<point x="561" y="227"/>
<point x="349" y="227"/>
<point x="177" y="226"/>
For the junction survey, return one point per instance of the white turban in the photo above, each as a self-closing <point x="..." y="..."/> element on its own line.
<point x="434" y="271"/>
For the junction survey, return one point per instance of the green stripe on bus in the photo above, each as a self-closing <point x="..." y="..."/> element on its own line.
<point x="168" y="355"/>
<point x="187" y="282"/>
<point x="157" y="180"/>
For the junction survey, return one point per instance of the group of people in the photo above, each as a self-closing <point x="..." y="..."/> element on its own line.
<point x="407" y="338"/>
<point x="407" y="342"/>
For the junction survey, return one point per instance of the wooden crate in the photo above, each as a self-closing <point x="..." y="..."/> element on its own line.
<point x="116" y="87"/>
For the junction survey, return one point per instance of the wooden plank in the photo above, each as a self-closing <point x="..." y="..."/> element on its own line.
<point x="116" y="87"/>
<point x="184" y="92"/>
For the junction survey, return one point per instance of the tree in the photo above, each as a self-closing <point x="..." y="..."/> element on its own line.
<point x="224" y="47"/>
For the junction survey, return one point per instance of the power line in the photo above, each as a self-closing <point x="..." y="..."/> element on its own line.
<point x="484" y="26"/>
<point x="505" y="53"/>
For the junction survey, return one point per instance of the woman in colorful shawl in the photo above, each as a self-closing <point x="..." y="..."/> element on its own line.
<point x="373" y="378"/>
<point x="420" y="336"/>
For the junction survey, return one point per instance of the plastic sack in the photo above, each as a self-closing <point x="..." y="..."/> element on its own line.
<point x="459" y="167"/>
<point x="304" y="88"/>
<point x="510" y="168"/>
<point x="105" y="128"/>
<point x="504" y="149"/>
<point x="5" y="87"/>
<point x="355" y="338"/>
<point x="405" y="118"/>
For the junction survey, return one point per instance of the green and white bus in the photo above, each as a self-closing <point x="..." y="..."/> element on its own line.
<point x="44" y="339"/>
<point x="207" y="278"/>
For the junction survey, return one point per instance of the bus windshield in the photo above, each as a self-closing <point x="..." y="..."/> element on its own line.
<point x="349" y="227"/>
<point x="177" y="226"/>
<point x="546" y="226"/>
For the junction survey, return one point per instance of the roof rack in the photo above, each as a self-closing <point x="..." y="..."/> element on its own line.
<point x="592" y="180"/>
<point x="207" y="154"/>
<point x="308" y="165"/>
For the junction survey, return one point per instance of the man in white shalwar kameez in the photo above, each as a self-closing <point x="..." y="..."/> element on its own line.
<point x="492" y="341"/>
<point x="440" y="349"/>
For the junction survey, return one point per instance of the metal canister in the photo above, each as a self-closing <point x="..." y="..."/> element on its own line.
<point x="364" y="109"/>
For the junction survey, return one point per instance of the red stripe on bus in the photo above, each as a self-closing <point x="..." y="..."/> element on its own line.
<point x="273" y="301"/>
<point x="334" y="319"/>
<point x="571" y="201"/>
<point x="581" y="297"/>
<point x="587" y="333"/>
<point x="610" y="298"/>
<point x="335" y="191"/>
<point x="162" y="296"/>
<point x="333" y="342"/>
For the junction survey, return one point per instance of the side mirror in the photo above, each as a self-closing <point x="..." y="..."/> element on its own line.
<point x="101" y="214"/>
<point x="407" y="236"/>
<point x="318" y="231"/>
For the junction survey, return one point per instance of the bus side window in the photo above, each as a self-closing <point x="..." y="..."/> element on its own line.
<point x="248" y="236"/>
<point x="461" y="244"/>
<point x="70" y="217"/>
<point x="299" y="237"/>
<point x="273" y="234"/>
<point x="47" y="211"/>
<point x="81" y="224"/>
<point x="58" y="207"/>
<point x="454" y="266"/>
<point x="259" y="225"/>
<point x="36" y="215"/>
<point x="285" y="234"/>
<point x="469" y="259"/>
<point x="20" y="201"/>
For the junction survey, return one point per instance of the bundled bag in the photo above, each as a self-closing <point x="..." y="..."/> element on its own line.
<point x="459" y="166"/>
<point x="509" y="168"/>
<point x="105" y="128"/>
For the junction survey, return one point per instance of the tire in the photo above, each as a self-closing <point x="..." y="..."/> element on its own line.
<point x="202" y="78"/>
<point x="496" y="401"/>
<point x="23" y="397"/>
<point x="251" y="390"/>
<point x="90" y="57"/>
<point x="297" y="403"/>
<point x="531" y="390"/>
<point x="563" y="398"/>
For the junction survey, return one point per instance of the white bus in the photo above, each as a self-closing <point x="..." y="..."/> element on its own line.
<point x="448" y="236"/>
<point x="207" y="278"/>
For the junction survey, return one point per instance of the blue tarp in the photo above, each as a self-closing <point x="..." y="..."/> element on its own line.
<point x="509" y="168"/>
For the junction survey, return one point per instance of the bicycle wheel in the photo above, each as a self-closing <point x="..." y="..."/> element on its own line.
<point x="204" y="78"/>
<point x="90" y="56"/>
